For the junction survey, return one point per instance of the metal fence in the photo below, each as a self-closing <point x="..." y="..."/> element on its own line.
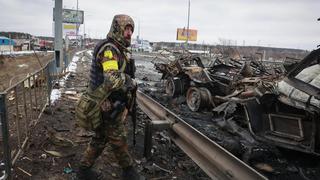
<point x="21" y="106"/>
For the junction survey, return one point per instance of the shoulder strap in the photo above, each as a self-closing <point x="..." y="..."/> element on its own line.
<point x="123" y="67"/>
<point x="99" y="93"/>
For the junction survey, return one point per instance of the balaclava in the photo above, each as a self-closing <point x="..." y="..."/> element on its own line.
<point x="118" y="25"/>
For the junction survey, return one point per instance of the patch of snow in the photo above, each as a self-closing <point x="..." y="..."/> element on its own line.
<point x="22" y="65"/>
<point x="55" y="95"/>
<point x="19" y="52"/>
<point x="90" y="52"/>
<point x="72" y="67"/>
<point x="62" y="81"/>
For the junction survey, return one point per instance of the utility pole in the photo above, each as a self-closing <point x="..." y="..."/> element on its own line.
<point x="84" y="31"/>
<point x="188" y="25"/>
<point x="139" y="30"/>
<point x="77" y="25"/>
<point x="318" y="20"/>
<point x="10" y="43"/>
<point x="58" y="43"/>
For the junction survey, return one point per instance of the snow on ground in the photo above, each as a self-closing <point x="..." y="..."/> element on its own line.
<point x="73" y="64"/>
<point x="20" y="52"/>
<point x="55" y="95"/>
<point x="90" y="52"/>
<point x="72" y="67"/>
<point x="23" y="65"/>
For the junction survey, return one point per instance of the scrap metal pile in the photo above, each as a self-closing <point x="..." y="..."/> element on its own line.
<point x="276" y="104"/>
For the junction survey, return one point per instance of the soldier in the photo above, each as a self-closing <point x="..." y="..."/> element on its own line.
<point x="110" y="68"/>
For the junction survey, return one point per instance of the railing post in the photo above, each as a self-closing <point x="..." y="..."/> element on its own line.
<point x="148" y="140"/>
<point x="5" y="135"/>
<point x="151" y="127"/>
<point x="49" y="84"/>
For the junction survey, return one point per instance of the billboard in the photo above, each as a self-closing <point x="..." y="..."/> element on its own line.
<point x="71" y="16"/>
<point x="69" y="29"/>
<point x="182" y="34"/>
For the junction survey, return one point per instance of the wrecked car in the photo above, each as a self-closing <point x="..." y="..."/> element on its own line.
<point x="187" y="76"/>
<point x="184" y="74"/>
<point x="288" y="114"/>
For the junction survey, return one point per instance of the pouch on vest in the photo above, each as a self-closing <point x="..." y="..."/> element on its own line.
<point x="88" y="112"/>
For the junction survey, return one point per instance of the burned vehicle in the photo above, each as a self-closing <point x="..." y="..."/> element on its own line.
<point x="288" y="115"/>
<point x="205" y="87"/>
<point x="283" y="112"/>
<point x="188" y="76"/>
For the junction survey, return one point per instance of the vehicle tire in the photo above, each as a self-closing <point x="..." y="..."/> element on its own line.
<point x="199" y="99"/>
<point x="174" y="87"/>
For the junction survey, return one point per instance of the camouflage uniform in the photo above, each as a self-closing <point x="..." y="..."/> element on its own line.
<point x="107" y="68"/>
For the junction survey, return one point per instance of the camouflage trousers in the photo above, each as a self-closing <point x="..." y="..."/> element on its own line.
<point x="112" y="132"/>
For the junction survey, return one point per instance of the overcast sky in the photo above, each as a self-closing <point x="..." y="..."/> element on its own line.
<point x="276" y="23"/>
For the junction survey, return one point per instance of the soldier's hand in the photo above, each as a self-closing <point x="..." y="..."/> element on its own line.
<point x="106" y="105"/>
<point x="130" y="83"/>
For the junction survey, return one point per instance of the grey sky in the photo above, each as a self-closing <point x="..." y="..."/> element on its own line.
<point x="277" y="23"/>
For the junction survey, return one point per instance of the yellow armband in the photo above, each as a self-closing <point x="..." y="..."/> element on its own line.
<point x="110" y="65"/>
<point x="108" y="54"/>
<point x="109" y="62"/>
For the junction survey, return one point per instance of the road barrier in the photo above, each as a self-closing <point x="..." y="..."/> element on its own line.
<point x="21" y="106"/>
<point x="213" y="159"/>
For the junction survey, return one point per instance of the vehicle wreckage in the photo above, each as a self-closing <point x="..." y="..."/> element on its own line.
<point x="290" y="115"/>
<point x="205" y="86"/>
<point x="282" y="109"/>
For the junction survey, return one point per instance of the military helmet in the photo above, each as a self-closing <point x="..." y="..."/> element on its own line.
<point x="118" y="25"/>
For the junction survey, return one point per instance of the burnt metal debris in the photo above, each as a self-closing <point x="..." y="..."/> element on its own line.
<point x="290" y="116"/>
<point x="279" y="102"/>
<point x="206" y="87"/>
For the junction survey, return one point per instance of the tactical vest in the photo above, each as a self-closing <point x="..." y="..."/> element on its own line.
<point x="88" y="112"/>
<point x="96" y="71"/>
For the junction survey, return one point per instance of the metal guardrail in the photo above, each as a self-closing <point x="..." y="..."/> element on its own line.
<point x="214" y="160"/>
<point x="21" y="106"/>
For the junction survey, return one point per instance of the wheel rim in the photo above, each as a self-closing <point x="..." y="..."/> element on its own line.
<point x="174" y="87"/>
<point x="198" y="98"/>
<point x="169" y="87"/>
<point x="193" y="99"/>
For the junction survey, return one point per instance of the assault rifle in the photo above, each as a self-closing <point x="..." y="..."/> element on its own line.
<point x="133" y="105"/>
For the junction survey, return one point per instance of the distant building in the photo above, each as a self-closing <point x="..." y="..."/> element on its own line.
<point x="27" y="44"/>
<point x="140" y="45"/>
<point x="6" y="44"/>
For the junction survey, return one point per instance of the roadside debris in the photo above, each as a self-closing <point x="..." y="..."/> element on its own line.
<point x="24" y="171"/>
<point x="67" y="170"/>
<point x="59" y="141"/>
<point x="59" y="154"/>
<point x="264" y="167"/>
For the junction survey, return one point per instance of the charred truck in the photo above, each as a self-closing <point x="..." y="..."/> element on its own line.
<point x="290" y="116"/>
<point x="282" y="110"/>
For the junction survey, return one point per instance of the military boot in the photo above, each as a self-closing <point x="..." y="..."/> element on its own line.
<point x="86" y="173"/>
<point x="130" y="173"/>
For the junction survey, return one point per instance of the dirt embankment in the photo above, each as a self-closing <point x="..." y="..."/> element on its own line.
<point x="15" y="68"/>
